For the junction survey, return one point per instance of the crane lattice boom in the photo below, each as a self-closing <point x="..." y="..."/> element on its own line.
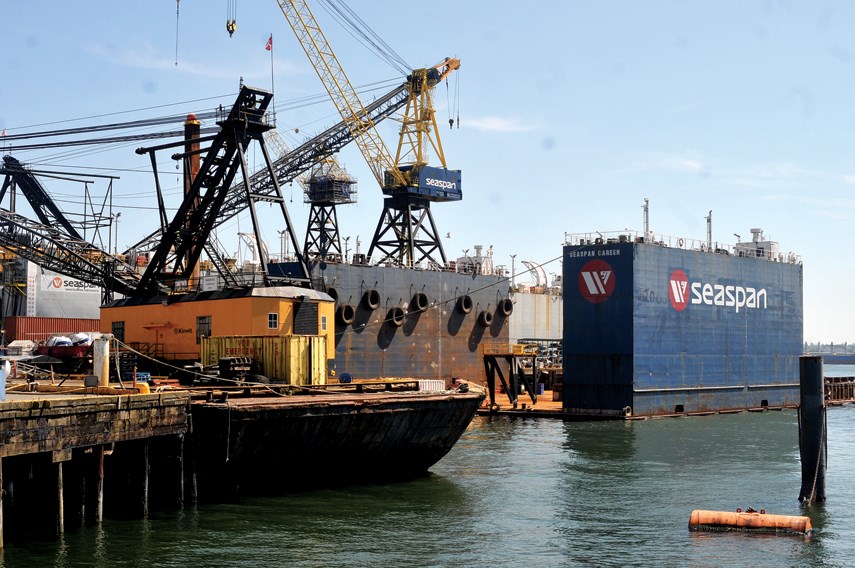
<point x="340" y="89"/>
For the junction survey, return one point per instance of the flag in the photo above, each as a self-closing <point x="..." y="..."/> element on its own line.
<point x="269" y="46"/>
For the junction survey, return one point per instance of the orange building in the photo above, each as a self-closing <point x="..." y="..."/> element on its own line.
<point x="172" y="326"/>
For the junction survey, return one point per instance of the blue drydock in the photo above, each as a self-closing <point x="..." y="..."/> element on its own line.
<point x="651" y="329"/>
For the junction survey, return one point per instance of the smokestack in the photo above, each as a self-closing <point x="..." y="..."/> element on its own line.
<point x="191" y="170"/>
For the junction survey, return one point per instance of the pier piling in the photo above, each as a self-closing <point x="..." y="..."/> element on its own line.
<point x="2" y="492"/>
<point x="812" y="432"/>
<point x="60" y="513"/>
<point x="99" y="498"/>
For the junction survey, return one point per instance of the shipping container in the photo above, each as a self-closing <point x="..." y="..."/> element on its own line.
<point x="651" y="329"/>
<point x="536" y="315"/>
<point x="294" y="359"/>
<point x="40" y="328"/>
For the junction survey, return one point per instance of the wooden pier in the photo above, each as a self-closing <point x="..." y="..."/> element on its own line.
<point x="83" y="454"/>
<point x="839" y="390"/>
<point x="53" y="447"/>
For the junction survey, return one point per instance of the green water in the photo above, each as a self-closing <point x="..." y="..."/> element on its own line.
<point x="519" y="493"/>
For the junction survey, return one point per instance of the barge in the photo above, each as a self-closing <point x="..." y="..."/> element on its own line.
<point x="277" y="444"/>
<point x="300" y="423"/>
<point x="658" y="325"/>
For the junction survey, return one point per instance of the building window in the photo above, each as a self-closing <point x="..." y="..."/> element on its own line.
<point x="203" y="327"/>
<point x="119" y="330"/>
<point x="323" y="323"/>
<point x="273" y="320"/>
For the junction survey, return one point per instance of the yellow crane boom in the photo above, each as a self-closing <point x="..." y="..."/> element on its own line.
<point x="340" y="89"/>
<point x="406" y="234"/>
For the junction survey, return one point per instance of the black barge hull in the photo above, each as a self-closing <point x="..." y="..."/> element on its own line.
<point x="279" y="445"/>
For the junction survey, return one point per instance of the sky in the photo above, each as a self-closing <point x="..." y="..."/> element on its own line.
<point x="570" y="115"/>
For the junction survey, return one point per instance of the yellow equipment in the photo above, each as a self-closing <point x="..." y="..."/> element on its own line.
<point x="408" y="182"/>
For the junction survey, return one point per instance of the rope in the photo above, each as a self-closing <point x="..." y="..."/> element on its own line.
<point x="265" y="387"/>
<point x="823" y="448"/>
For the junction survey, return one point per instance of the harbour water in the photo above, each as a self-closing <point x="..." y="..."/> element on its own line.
<point x="519" y="491"/>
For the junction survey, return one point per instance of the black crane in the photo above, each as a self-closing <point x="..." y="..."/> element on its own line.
<point x="186" y="235"/>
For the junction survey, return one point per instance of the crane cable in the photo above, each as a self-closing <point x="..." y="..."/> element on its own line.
<point x="169" y="119"/>
<point x="363" y="33"/>
<point x="177" y="6"/>
<point x="231" y="17"/>
<point x="457" y="97"/>
<point x="453" y="105"/>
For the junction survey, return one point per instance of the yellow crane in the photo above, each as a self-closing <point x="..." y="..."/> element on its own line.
<point x="406" y="233"/>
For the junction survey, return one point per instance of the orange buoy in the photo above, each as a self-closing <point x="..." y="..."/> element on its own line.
<point x="749" y="520"/>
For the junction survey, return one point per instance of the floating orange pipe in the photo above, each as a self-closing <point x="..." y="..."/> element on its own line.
<point x="748" y="521"/>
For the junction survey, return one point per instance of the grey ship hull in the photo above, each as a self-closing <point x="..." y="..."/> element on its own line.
<point x="438" y="343"/>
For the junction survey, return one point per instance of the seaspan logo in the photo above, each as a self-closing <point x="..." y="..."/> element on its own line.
<point x="678" y="290"/>
<point x="681" y="292"/>
<point x="440" y="183"/>
<point x="596" y="281"/>
<point x="58" y="283"/>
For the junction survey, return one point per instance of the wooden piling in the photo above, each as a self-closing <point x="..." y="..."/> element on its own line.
<point x="180" y="488"/>
<point x="60" y="503"/>
<point x="812" y="433"/>
<point x="40" y="432"/>
<point x="86" y="463"/>
<point x="58" y="457"/>
<point x="99" y="490"/>
<point x="2" y="492"/>
<point x="145" y="480"/>
<point x="190" y="456"/>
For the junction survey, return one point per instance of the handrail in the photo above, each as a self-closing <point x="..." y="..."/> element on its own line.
<point x="670" y="241"/>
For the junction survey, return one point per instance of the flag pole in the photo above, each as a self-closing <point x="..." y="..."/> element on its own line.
<point x="272" y="90"/>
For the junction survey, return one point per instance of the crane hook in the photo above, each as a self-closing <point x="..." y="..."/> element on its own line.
<point x="231" y="17"/>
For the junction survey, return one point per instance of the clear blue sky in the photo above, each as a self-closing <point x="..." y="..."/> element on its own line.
<point x="571" y="113"/>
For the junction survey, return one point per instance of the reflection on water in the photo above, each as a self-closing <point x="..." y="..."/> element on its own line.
<point x="519" y="492"/>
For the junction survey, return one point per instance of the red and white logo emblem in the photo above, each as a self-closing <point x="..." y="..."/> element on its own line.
<point x="597" y="281"/>
<point x="56" y="282"/>
<point x="678" y="290"/>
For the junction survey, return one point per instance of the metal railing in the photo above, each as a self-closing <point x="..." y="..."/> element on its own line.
<point x="669" y="241"/>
